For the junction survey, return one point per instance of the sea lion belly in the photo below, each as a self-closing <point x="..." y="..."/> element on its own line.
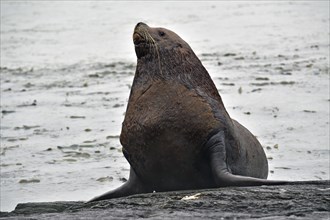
<point x="163" y="134"/>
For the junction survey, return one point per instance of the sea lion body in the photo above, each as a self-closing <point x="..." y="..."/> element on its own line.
<point x="164" y="133"/>
<point x="171" y="126"/>
<point x="177" y="133"/>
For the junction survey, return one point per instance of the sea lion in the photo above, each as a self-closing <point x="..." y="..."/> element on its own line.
<point x="177" y="134"/>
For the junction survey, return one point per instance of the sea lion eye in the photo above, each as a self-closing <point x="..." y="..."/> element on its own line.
<point x="161" y="33"/>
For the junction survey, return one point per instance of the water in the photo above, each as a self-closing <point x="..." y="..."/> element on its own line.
<point x="67" y="67"/>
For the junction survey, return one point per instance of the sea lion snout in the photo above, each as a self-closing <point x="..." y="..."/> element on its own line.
<point x="139" y="33"/>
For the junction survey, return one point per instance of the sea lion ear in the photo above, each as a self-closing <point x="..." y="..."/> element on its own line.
<point x="179" y="45"/>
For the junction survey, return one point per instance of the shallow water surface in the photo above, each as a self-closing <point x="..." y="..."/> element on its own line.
<point x="67" y="68"/>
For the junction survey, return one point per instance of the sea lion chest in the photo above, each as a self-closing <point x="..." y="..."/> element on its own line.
<point x="165" y="127"/>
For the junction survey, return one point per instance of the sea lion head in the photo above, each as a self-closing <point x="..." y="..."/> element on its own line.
<point x="151" y="43"/>
<point x="162" y="54"/>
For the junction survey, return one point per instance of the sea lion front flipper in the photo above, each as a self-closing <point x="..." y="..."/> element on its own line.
<point x="216" y="151"/>
<point x="132" y="186"/>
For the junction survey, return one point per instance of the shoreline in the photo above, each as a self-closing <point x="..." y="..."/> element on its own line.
<point x="297" y="200"/>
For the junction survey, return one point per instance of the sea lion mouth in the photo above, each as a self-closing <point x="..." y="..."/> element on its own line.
<point x="142" y="40"/>
<point x="138" y="39"/>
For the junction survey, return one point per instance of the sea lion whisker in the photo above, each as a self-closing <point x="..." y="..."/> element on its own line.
<point x="153" y="42"/>
<point x="149" y="37"/>
<point x="145" y="36"/>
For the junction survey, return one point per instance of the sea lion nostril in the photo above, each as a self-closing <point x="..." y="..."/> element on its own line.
<point x="141" y="23"/>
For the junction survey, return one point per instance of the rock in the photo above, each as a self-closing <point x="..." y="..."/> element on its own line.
<point x="29" y="181"/>
<point x="229" y="54"/>
<point x="297" y="200"/>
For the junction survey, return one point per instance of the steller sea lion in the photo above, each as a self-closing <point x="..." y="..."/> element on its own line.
<point x="177" y="134"/>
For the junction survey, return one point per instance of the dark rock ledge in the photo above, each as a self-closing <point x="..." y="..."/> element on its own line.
<point x="298" y="200"/>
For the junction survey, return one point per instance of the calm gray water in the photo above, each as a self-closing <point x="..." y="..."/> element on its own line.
<point x="67" y="67"/>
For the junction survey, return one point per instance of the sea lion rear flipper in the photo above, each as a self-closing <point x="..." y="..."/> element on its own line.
<point x="216" y="151"/>
<point x="132" y="186"/>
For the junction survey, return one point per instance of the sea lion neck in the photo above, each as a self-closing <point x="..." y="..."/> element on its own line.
<point x="169" y="66"/>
